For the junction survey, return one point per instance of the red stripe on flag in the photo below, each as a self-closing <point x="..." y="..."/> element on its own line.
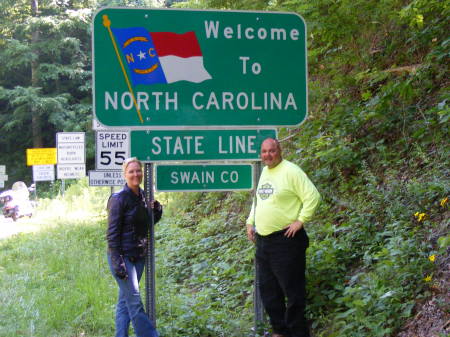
<point x="182" y="45"/>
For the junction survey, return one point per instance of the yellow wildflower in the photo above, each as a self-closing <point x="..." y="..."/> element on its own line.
<point x="421" y="216"/>
<point x="416" y="214"/>
<point x="444" y="201"/>
<point x="428" y="278"/>
<point x="432" y="258"/>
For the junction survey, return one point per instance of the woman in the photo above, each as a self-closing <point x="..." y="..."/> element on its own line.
<point x="128" y="223"/>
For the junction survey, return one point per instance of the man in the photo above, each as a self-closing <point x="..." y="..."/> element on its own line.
<point x="286" y="199"/>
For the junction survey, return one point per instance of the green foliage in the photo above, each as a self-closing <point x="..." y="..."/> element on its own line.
<point x="54" y="46"/>
<point x="383" y="157"/>
<point x="205" y="266"/>
<point x="376" y="144"/>
<point x="78" y="201"/>
<point x="366" y="268"/>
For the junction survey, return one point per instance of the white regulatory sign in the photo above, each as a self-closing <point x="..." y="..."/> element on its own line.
<point x="70" y="137"/>
<point x="71" y="148"/>
<point x="71" y="153"/>
<point x="2" y="169"/>
<point x="71" y="171"/>
<point x="43" y="172"/>
<point x="106" y="178"/>
<point x="112" y="148"/>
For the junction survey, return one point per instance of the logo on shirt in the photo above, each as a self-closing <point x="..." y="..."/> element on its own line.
<point x="265" y="191"/>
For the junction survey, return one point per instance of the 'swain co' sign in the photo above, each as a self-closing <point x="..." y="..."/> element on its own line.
<point x="204" y="177"/>
<point x="156" y="68"/>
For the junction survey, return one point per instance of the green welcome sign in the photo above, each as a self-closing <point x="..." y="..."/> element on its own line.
<point x="170" y="68"/>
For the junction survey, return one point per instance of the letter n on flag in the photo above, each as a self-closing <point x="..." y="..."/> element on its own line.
<point x="161" y="57"/>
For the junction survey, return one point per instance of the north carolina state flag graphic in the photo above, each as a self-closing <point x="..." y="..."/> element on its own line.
<point x="161" y="57"/>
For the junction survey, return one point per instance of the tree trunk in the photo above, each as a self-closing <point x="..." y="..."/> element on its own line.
<point x="35" y="116"/>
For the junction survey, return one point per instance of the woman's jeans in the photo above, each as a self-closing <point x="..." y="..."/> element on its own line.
<point x="129" y="305"/>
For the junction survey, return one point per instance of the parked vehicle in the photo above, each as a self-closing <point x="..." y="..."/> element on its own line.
<point x="16" y="202"/>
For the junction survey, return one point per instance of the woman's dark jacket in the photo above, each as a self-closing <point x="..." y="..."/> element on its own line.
<point x="128" y="222"/>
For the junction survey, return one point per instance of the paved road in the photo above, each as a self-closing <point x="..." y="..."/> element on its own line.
<point x="8" y="227"/>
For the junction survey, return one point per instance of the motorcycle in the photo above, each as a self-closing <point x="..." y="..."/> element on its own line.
<point x="16" y="201"/>
<point x="9" y="211"/>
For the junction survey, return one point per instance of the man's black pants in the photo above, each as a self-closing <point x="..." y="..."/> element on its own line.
<point x="281" y="274"/>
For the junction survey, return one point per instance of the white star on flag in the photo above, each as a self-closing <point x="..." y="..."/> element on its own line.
<point x="141" y="55"/>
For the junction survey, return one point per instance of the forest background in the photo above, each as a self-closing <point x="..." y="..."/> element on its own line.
<point x="375" y="143"/>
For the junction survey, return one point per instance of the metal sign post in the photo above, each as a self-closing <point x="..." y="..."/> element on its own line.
<point x="3" y="176"/>
<point x="257" y="301"/>
<point x="63" y="187"/>
<point x="150" y="258"/>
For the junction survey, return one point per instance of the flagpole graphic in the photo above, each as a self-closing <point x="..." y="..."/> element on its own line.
<point x="107" y="24"/>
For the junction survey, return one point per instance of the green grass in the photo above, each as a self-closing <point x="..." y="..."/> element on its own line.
<point x="55" y="279"/>
<point x="56" y="283"/>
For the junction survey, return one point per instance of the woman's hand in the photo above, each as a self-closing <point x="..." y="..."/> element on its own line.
<point x="118" y="264"/>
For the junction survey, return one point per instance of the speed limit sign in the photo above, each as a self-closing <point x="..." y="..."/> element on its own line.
<point x="112" y="148"/>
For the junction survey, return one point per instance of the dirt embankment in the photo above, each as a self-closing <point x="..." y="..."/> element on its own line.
<point x="432" y="315"/>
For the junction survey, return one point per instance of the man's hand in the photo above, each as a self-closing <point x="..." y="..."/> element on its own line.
<point x="251" y="232"/>
<point x="293" y="228"/>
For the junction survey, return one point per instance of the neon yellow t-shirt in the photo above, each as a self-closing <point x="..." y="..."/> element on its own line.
<point x="284" y="194"/>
